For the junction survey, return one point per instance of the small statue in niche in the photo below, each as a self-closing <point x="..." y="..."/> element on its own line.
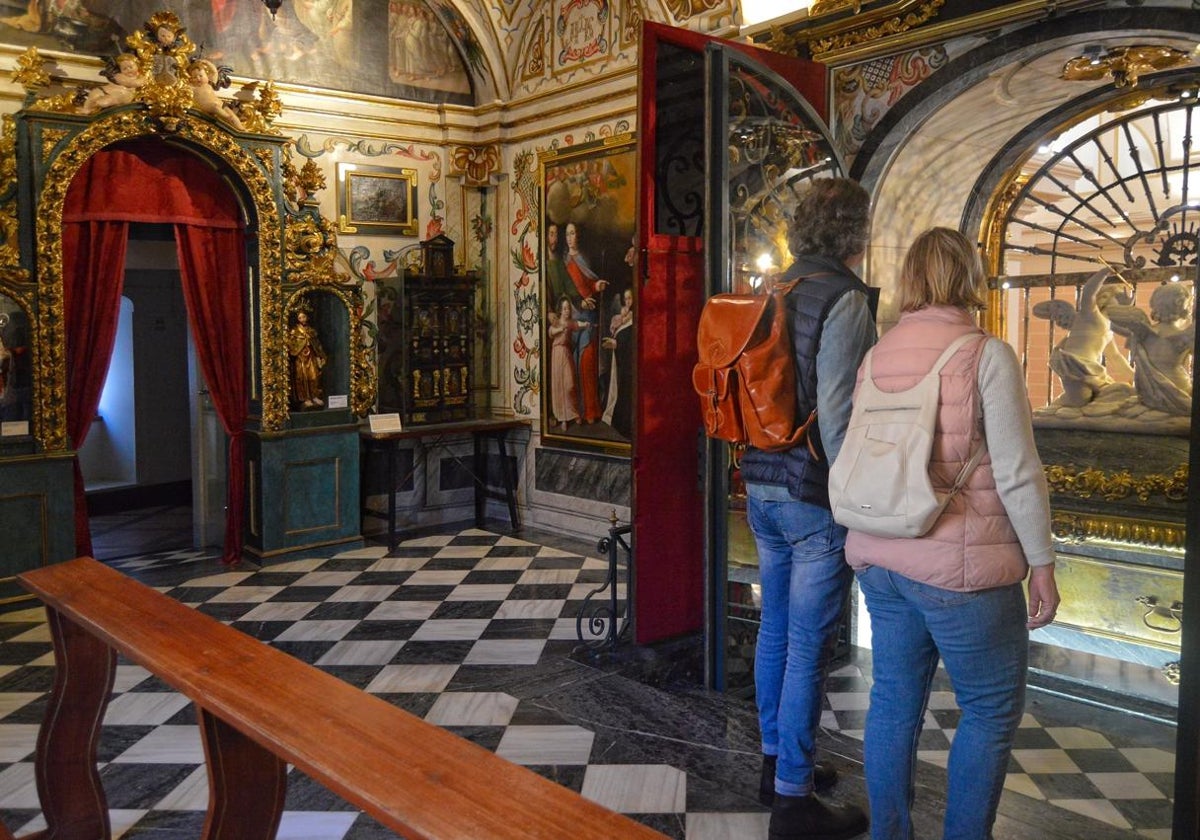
<point x="6" y="366"/>
<point x="205" y="79"/>
<point x="1161" y="346"/>
<point x="1084" y="358"/>
<point x="124" y="76"/>
<point x="307" y="358"/>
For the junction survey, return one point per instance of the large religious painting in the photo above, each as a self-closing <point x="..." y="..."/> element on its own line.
<point x="588" y="294"/>
<point x="401" y="48"/>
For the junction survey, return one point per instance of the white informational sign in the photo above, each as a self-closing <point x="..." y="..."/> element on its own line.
<point x="337" y="401"/>
<point x="384" y="423"/>
<point x="14" y="428"/>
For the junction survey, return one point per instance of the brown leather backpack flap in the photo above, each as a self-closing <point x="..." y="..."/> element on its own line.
<point x="729" y="324"/>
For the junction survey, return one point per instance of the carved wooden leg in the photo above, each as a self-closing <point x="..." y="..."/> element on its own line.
<point x="246" y="784"/>
<point x="68" y="782"/>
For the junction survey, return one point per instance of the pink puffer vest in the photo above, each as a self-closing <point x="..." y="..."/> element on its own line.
<point x="973" y="545"/>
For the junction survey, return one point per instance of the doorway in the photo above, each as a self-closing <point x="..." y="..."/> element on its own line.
<point x="154" y="460"/>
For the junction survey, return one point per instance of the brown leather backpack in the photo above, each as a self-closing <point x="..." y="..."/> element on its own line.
<point x="746" y="374"/>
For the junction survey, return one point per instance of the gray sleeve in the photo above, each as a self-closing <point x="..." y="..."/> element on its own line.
<point x="848" y="333"/>
<point x="1016" y="466"/>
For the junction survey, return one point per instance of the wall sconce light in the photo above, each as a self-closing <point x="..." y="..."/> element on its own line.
<point x="1124" y="64"/>
<point x="272" y="6"/>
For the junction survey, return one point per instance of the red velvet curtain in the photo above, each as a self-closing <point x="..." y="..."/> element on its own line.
<point x="212" y="264"/>
<point x="93" y="273"/>
<point x="149" y="181"/>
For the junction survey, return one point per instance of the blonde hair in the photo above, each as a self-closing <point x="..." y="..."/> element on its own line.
<point x="942" y="268"/>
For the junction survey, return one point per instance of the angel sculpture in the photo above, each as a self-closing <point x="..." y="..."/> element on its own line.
<point x="124" y="77"/>
<point x="1083" y="359"/>
<point x="206" y="78"/>
<point x="1161" y="345"/>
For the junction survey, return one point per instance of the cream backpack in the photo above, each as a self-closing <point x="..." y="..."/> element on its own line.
<point x="879" y="484"/>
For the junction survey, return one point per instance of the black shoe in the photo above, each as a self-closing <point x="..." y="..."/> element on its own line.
<point x="808" y="818"/>
<point x="824" y="777"/>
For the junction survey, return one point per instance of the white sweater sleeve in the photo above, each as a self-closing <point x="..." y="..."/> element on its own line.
<point x="1016" y="466"/>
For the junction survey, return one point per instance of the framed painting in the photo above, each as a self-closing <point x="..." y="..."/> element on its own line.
<point x="588" y="294"/>
<point x="376" y="200"/>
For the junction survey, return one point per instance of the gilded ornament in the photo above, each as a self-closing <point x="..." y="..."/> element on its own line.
<point x="8" y="154"/>
<point x="51" y="137"/>
<point x="1112" y="487"/>
<point x="892" y="26"/>
<point x="1078" y="528"/>
<point x="312" y="179"/>
<point x="30" y="73"/>
<point x="308" y="239"/>
<point x="824" y="7"/>
<point x="10" y="225"/>
<point x="258" y="115"/>
<point x="1123" y="64"/>
<point x="104" y="131"/>
<point x="160" y="102"/>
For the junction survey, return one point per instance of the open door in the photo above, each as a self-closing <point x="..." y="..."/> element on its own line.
<point x="726" y="132"/>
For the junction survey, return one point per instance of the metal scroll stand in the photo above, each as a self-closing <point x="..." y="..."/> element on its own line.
<point x="604" y="624"/>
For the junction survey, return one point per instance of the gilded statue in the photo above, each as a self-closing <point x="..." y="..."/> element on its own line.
<point x="307" y="360"/>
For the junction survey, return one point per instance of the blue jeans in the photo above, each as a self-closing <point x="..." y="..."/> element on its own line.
<point x="982" y="639"/>
<point x="804" y="579"/>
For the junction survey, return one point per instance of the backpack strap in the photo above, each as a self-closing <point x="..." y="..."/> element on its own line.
<point x="954" y="347"/>
<point x="980" y="448"/>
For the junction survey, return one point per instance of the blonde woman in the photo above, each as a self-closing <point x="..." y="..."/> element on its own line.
<point x="955" y="593"/>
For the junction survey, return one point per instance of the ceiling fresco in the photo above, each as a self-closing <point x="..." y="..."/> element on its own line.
<point x="466" y="52"/>
<point x="406" y="49"/>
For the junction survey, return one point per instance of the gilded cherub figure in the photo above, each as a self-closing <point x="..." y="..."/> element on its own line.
<point x="163" y="45"/>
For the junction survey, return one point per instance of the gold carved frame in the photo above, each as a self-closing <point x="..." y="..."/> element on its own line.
<point x="296" y="245"/>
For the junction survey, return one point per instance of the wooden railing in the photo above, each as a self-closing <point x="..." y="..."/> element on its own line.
<point x="260" y="710"/>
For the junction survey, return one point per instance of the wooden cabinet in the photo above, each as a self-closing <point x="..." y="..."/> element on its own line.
<point x="426" y="341"/>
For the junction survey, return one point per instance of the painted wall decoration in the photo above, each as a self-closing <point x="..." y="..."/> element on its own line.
<point x="588" y="294"/>
<point x="863" y="93"/>
<point x="402" y="48"/>
<point x="582" y="32"/>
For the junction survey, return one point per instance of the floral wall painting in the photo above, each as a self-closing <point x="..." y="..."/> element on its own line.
<point x="376" y="200"/>
<point x="588" y="294"/>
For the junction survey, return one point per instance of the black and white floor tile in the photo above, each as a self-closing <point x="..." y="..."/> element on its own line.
<point x="476" y="632"/>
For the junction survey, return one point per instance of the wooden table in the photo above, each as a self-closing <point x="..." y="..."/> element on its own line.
<point x="438" y="435"/>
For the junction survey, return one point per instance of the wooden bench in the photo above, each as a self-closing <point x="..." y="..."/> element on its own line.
<point x="260" y="710"/>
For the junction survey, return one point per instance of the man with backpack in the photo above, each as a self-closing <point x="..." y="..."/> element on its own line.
<point x="802" y="569"/>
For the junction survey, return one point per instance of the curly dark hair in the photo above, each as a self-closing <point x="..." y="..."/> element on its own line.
<point x="832" y="219"/>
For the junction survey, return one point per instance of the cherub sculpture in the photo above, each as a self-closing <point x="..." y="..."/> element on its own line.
<point x="124" y="76"/>
<point x="1084" y="358"/>
<point x="1161" y="345"/>
<point x="205" y="79"/>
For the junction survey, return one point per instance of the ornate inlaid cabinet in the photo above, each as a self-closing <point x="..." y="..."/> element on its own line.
<point x="426" y="341"/>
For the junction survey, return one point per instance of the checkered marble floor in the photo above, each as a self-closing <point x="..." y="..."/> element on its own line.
<point x="476" y="632"/>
